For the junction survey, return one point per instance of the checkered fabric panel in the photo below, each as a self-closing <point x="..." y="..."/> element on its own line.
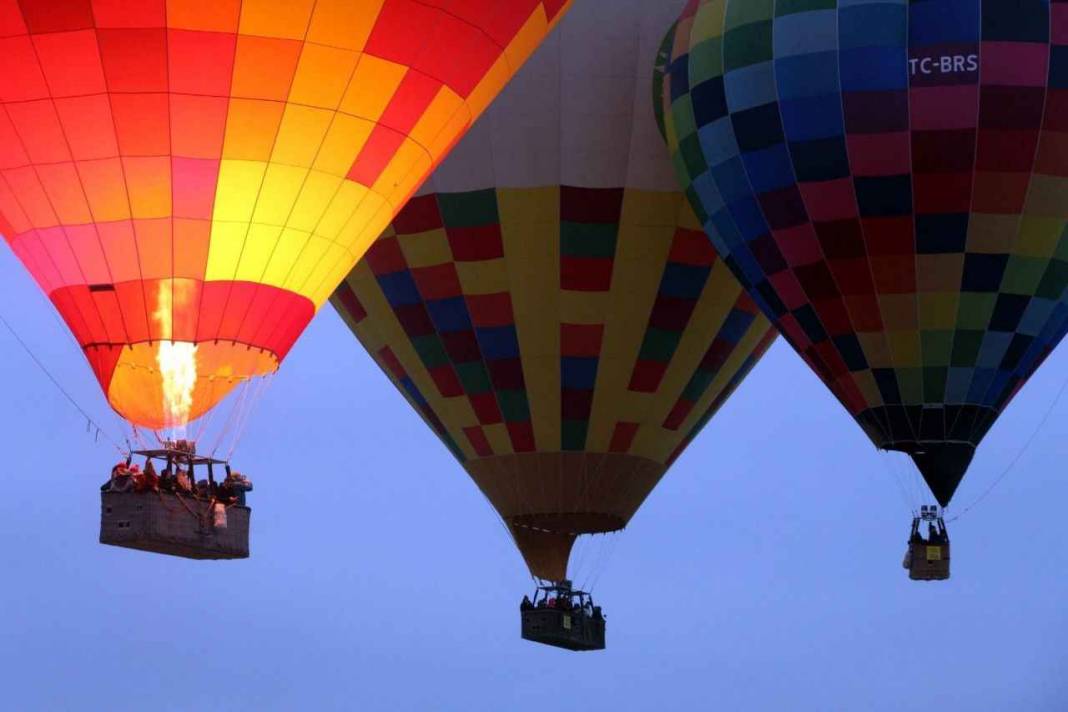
<point x="438" y="287"/>
<point x="550" y="294"/>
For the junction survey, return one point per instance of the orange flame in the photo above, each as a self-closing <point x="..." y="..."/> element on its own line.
<point x="177" y="360"/>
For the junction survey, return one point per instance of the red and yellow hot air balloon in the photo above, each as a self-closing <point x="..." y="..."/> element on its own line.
<point x="188" y="181"/>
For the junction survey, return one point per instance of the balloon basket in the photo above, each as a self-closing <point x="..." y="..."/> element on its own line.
<point x="167" y="523"/>
<point x="928" y="562"/>
<point x="172" y="521"/>
<point x="563" y="618"/>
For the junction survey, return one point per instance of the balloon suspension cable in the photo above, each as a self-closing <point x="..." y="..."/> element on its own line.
<point x="611" y="540"/>
<point x="1017" y="457"/>
<point x="258" y="389"/>
<point x="228" y="422"/>
<point x="138" y="439"/>
<point x="593" y="551"/>
<point x="203" y="424"/>
<point x="236" y="405"/>
<point x="913" y="482"/>
<point x="909" y="484"/>
<point x="585" y="551"/>
<point x="142" y="437"/>
<point x="91" y="424"/>
<point x="163" y="437"/>
<point x="580" y="554"/>
<point x="589" y="555"/>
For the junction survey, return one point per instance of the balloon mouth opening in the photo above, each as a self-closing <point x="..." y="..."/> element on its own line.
<point x="165" y="385"/>
<point x="573" y="523"/>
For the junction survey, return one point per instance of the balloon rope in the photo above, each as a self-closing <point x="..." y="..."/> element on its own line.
<point x="233" y="404"/>
<point x="255" y="393"/>
<point x="59" y="386"/>
<point x="611" y="540"/>
<point x="203" y="424"/>
<point x="1019" y="454"/>
<point x="139" y="438"/>
<point x="890" y="463"/>
<point x="600" y="544"/>
<point x="233" y="419"/>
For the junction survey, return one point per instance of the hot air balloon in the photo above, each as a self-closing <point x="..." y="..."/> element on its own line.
<point x="188" y="181"/>
<point x="550" y="306"/>
<point x="889" y="181"/>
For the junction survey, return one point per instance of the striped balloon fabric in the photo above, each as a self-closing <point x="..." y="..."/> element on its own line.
<point x="206" y="172"/>
<point x="889" y="180"/>
<point x="549" y="302"/>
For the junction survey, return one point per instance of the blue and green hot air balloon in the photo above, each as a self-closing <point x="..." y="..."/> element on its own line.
<point x="889" y="181"/>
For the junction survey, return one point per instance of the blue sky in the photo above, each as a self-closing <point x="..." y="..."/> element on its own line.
<point x="763" y="573"/>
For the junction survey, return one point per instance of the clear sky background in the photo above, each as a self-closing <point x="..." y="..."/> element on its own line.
<point x="763" y="573"/>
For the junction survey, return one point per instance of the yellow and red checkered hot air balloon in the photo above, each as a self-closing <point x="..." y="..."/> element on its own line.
<point x="548" y="301"/>
<point x="188" y="181"/>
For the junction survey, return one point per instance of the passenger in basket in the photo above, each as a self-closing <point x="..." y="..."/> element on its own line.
<point x="166" y="480"/>
<point x="182" y="483"/>
<point x="120" y="479"/>
<point x="151" y="477"/>
<point x="138" y="478"/>
<point x="224" y="492"/>
<point x="239" y="485"/>
<point x="939" y="537"/>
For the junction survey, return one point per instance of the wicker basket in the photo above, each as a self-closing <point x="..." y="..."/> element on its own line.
<point x="166" y="523"/>
<point x="929" y="562"/>
<point x="571" y="630"/>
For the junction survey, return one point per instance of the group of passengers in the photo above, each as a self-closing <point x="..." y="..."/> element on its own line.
<point x="563" y="603"/>
<point x="936" y="535"/>
<point x="131" y="478"/>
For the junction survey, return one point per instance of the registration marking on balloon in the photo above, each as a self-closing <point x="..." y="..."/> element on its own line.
<point x="935" y="68"/>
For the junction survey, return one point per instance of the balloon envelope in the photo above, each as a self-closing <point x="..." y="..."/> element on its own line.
<point x="188" y="181"/>
<point x="889" y="180"/>
<point x="548" y="301"/>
